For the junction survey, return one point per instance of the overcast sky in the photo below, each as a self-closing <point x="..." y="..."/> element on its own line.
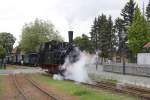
<point x="77" y="15"/>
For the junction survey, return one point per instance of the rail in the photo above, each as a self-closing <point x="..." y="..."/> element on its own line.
<point x="38" y="87"/>
<point x="18" y="87"/>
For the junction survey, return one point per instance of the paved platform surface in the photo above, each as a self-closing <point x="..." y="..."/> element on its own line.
<point x="130" y="79"/>
<point x="22" y="70"/>
<point x="6" y="71"/>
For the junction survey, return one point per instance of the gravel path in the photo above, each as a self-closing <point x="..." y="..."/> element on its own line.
<point x="21" y="70"/>
<point x="135" y="80"/>
<point x="6" y="72"/>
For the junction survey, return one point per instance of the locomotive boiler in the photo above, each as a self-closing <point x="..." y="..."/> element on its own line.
<point x="52" y="54"/>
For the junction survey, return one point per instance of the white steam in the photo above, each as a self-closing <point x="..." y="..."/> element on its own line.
<point x="77" y="71"/>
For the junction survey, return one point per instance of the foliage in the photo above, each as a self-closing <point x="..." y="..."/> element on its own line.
<point x="36" y="33"/>
<point x="84" y="43"/>
<point x="119" y="27"/>
<point x="2" y="52"/>
<point x="139" y="32"/>
<point x="102" y="35"/>
<point x="128" y="15"/>
<point x="148" y="11"/>
<point x="111" y="37"/>
<point x="7" y="41"/>
<point x="128" y="12"/>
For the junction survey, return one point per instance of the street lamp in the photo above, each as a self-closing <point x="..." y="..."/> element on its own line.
<point x="123" y="36"/>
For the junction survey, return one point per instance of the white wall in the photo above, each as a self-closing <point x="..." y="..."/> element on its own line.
<point x="143" y="59"/>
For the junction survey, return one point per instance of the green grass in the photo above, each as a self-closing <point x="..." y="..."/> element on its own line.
<point x="2" y="85"/>
<point x="83" y="92"/>
<point x="11" y="67"/>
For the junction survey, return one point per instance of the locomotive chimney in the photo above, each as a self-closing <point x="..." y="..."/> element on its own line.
<point x="70" y="35"/>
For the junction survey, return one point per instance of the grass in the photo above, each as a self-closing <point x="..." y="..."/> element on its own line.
<point x="13" y="67"/>
<point x="2" y="85"/>
<point x="83" y="92"/>
<point x="10" y="67"/>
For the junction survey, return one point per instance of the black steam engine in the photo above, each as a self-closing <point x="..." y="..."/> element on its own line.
<point x="51" y="55"/>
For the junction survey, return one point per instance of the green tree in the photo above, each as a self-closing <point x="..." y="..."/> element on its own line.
<point x="102" y="31"/>
<point x="148" y="11"/>
<point x="139" y="32"/>
<point x="128" y="12"/>
<point x="119" y="27"/>
<point x="111" y="37"/>
<point x="2" y="56"/>
<point x="84" y="43"/>
<point x="7" y="41"/>
<point x="2" y="52"/>
<point x="36" y="33"/>
<point x="94" y="34"/>
<point x="128" y="15"/>
<point x="102" y="36"/>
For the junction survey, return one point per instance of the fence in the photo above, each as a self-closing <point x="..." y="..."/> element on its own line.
<point x="132" y="69"/>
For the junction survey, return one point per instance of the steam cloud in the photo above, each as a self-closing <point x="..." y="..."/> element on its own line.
<point x="77" y="71"/>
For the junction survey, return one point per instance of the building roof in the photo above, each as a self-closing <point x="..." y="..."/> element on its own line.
<point x="147" y="44"/>
<point x="14" y="50"/>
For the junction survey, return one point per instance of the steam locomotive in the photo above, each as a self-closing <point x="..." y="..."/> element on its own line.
<point x="51" y="55"/>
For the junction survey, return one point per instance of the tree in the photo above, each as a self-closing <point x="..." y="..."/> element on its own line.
<point x="111" y="37"/>
<point x="2" y="56"/>
<point x="139" y="32"/>
<point x="102" y="35"/>
<point x="128" y="12"/>
<point x="94" y="33"/>
<point x="2" y="52"/>
<point x="84" y="43"/>
<point x="36" y="33"/>
<point x="99" y="35"/>
<point x="7" y="41"/>
<point x="148" y="11"/>
<point x="128" y="15"/>
<point x="119" y="27"/>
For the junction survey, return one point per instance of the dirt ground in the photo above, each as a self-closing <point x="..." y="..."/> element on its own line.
<point x="59" y="94"/>
<point x="10" y="92"/>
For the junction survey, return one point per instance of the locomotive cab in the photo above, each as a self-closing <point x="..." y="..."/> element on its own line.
<point x="52" y="54"/>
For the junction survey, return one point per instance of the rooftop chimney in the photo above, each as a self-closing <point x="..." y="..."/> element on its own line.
<point x="70" y="35"/>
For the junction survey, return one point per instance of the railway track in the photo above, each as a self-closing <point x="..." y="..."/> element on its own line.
<point x="37" y="86"/>
<point x="141" y="93"/>
<point x="19" y="87"/>
<point x="34" y="85"/>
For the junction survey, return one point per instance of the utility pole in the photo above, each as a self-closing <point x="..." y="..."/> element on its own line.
<point x="96" y="52"/>
<point x="123" y="35"/>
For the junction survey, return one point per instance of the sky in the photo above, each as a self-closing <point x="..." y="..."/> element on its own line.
<point x="76" y="15"/>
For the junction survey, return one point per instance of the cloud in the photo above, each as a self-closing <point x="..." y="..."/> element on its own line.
<point x="85" y="9"/>
<point x="78" y="13"/>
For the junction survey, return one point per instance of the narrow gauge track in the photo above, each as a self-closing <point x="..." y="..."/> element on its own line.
<point x="34" y="85"/>
<point x="19" y="88"/>
<point x="131" y="90"/>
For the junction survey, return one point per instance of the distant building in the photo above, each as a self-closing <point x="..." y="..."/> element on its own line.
<point x="146" y="48"/>
<point x="144" y="58"/>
